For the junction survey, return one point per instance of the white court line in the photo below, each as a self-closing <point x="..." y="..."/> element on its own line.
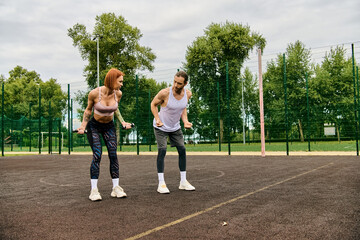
<point x="143" y="234"/>
<point x="55" y="184"/>
<point x="205" y="179"/>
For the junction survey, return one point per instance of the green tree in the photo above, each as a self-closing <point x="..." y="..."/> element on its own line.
<point x="251" y="98"/>
<point x="22" y="89"/>
<point x="273" y="87"/>
<point x="298" y="63"/>
<point x="206" y="62"/>
<point x="202" y="118"/>
<point x="2" y="78"/>
<point x="140" y="115"/>
<point x="333" y="84"/>
<point x="118" y="47"/>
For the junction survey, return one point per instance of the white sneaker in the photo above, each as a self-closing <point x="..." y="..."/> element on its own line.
<point x="163" y="189"/>
<point x="95" y="195"/>
<point x="118" y="192"/>
<point x="185" y="185"/>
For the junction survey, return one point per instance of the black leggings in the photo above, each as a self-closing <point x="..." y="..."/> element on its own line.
<point x="161" y="157"/>
<point x="108" y="132"/>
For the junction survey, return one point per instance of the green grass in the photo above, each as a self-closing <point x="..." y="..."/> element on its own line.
<point x="347" y="146"/>
<point x="277" y="147"/>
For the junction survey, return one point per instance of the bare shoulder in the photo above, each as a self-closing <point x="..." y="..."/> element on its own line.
<point x="164" y="93"/>
<point x="118" y="94"/>
<point x="93" y="94"/>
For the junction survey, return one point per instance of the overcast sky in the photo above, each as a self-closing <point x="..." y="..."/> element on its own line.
<point x="33" y="33"/>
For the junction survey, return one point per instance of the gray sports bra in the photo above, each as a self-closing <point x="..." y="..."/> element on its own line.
<point x="102" y="110"/>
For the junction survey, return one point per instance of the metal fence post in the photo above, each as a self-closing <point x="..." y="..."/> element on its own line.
<point x="355" y="105"/>
<point x="150" y="122"/>
<point x="218" y="104"/>
<point x="2" y="121"/>
<point x="69" y="133"/>
<point x="40" y="121"/>
<point x="286" y="108"/>
<point x="137" y="115"/>
<point x="308" y="111"/>
<point x="228" y="107"/>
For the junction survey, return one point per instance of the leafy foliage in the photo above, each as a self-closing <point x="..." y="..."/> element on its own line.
<point x="22" y="89"/>
<point x="329" y="90"/>
<point x="333" y="84"/>
<point x="206" y="60"/>
<point x="118" y="47"/>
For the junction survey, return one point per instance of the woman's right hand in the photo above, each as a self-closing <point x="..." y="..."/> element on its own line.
<point x="126" y="125"/>
<point x="80" y="130"/>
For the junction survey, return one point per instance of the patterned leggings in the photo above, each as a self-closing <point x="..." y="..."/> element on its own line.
<point x="107" y="131"/>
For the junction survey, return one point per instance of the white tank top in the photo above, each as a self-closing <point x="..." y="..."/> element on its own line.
<point x="170" y="114"/>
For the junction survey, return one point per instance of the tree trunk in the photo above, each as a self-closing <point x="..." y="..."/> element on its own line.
<point x="338" y="132"/>
<point x="301" y="131"/>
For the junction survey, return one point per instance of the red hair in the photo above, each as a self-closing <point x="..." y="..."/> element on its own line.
<point x="111" y="76"/>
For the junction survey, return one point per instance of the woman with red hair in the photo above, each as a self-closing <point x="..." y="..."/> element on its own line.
<point x="104" y="101"/>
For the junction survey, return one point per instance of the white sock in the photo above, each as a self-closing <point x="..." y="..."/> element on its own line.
<point x="94" y="183"/>
<point x="115" y="182"/>
<point x="183" y="176"/>
<point x="161" y="177"/>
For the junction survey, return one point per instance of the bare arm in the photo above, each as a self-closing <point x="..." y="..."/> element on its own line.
<point x="87" y="112"/>
<point x="158" y="99"/>
<point x="184" y="116"/>
<point x="118" y="114"/>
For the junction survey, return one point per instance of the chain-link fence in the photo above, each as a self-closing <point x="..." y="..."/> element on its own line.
<point x="226" y="118"/>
